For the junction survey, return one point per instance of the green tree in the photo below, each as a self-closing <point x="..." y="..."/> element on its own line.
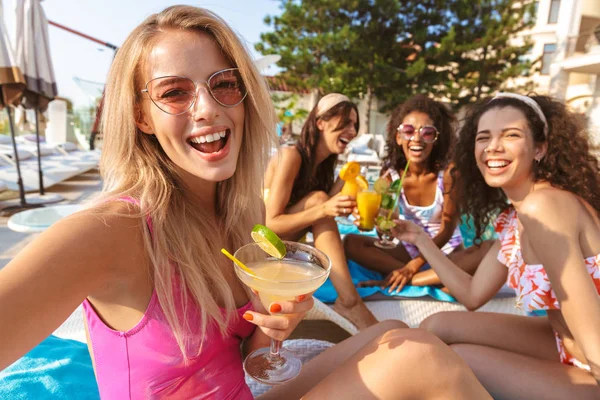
<point x="336" y="45"/>
<point x="453" y="49"/>
<point x="480" y="52"/>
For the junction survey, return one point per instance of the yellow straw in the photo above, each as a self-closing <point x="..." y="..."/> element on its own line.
<point x="237" y="262"/>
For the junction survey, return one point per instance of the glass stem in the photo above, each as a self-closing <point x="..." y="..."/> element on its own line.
<point x="274" y="351"/>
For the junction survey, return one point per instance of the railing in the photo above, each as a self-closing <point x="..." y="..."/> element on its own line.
<point x="583" y="43"/>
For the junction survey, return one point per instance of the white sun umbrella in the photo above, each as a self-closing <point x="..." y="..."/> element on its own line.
<point x="12" y="85"/>
<point x="265" y="62"/>
<point x="33" y="57"/>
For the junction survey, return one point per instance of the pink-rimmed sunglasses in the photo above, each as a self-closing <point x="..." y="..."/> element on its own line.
<point x="177" y="94"/>
<point x="428" y="133"/>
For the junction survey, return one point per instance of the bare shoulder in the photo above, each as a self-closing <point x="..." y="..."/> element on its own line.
<point x="290" y="154"/>
<point x="98" y="239"/>
<point x="289" y="161"/>
<point x="550" y="207"/>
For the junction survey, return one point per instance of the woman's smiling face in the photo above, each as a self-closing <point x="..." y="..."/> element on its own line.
<point x="504" y="148"/>
<point x="203" y="142"/>
<point x="415" y="149"/>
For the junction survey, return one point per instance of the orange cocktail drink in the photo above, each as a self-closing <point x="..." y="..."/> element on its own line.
<point x="368" y="203"/>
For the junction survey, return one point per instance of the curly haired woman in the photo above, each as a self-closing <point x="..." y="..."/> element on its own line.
<point x="422" y="131"/>
<point x="530" y="158"/>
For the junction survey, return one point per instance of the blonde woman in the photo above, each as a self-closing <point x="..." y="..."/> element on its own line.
<point x="187" y="121"/>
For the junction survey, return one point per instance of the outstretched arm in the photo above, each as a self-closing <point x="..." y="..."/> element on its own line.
<point x="472" y="291"/>
<point x="77" y="257"/>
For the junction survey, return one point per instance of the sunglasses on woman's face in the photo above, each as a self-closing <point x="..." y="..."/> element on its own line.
<point x="428" y="133"/>
<point x="177" y="94"/>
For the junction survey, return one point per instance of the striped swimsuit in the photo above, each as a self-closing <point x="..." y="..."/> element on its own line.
<point x="429" y="218"/>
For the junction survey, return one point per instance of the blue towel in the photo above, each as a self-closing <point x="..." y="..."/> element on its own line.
<point x="327" y="293"/>
<point x="55" y="369"/>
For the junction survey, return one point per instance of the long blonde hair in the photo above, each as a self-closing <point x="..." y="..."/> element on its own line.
<point x="184" y="246"/>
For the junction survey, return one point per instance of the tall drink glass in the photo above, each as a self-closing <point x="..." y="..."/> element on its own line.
<point x="368" y="203"/>
<point x="389" y="202"/>
<point x="303" y="270"/>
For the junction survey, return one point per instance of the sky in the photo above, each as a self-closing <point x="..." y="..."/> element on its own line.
<point x="112" y="20"/>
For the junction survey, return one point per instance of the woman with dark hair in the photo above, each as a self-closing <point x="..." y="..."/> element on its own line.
<point x="531" y="159"/>
<point x="422" y="131"/>
<point x="301" y="196"/>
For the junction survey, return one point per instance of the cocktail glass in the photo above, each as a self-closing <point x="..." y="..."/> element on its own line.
<point x="388" y="203"/>
<point x="302" y="271"/>
<point x="368" y="203"/>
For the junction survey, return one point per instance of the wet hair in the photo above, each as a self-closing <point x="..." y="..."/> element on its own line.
<point x="323" y="179"/>
<point x="443" y="119"/>
<point x="569" y="163"/>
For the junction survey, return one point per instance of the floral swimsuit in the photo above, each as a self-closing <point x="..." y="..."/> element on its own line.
<point x="531" y="283"/>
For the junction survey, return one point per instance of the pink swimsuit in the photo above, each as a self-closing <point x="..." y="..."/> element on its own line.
<point x="145" y="362"/>
<point x="531" y="283"/>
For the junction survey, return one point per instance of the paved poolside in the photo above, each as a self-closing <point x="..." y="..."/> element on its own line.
<point x="75" y="190"/>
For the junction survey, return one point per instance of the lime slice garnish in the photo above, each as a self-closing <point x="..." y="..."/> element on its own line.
<point x="268" y="241"/>
<point x="385" y="224"/>
<point x="381" y="186"/>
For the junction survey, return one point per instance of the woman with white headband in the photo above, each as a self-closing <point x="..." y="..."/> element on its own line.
<point x="302" y="195"/>
<point x="530" y="159"/>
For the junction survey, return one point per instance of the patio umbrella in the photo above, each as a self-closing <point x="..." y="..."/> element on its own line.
<point x="12" y="85"/>
<point x="33" y="58"/>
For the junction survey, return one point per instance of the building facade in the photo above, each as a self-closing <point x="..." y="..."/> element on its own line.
<point x="566" y="39"/>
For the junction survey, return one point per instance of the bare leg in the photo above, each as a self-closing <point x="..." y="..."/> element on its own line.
<point x="327" y="239"/>
<point x="370" y="365"/>
<point x="508" y="375"/>
<point x="521" y="351"/>
<point x="466" y="259"/>
<point x="530" y="336"/>
<point x="362" y="250"/>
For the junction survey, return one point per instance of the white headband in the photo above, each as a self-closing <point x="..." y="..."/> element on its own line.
<point x="328" y="102"/>
<point x="530" y="102"/>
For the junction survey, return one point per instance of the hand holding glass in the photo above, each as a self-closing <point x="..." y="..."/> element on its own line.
<point x="302" y="270"/>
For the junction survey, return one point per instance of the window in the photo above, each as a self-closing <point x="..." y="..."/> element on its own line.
<point x="554" y="9"/>
<point x="549" y="50"/>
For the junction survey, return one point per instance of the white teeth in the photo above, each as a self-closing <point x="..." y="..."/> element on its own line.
<point x="497" y="163"/>
<point x="199" y="139"/>
<point x="211" y="137"/>
<point x="344" y="140"/>
<point x="416" y="148"/>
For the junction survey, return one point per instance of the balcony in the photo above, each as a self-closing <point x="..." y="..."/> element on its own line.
<point x="583" y="53"/>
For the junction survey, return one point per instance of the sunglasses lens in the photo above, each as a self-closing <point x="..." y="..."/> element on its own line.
<point x="172" y="94"/>
<point x="407" y="130"/>
<point x="428" y="133"/>
<point x="227" y="87"/>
